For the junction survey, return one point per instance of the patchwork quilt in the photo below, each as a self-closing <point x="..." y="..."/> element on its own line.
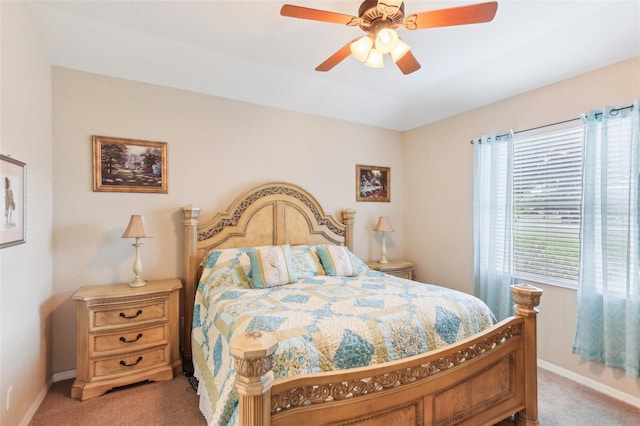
<point x="325" y="323"/>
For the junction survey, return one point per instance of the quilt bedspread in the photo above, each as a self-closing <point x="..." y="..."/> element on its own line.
<point x="325" y="323"/>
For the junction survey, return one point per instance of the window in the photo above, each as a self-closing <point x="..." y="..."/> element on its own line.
<point x="547" y="182"/>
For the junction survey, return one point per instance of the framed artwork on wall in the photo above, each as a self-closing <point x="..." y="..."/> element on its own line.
<point x="373" y="183"/>
<point x="129" y="165"/>
<point x="14" y="196"/>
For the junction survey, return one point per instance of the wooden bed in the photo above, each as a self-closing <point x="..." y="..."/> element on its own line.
<point x="478" y="381"/>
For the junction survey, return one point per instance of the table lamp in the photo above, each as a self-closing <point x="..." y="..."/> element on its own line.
<point x="384" y="226"/>
<point x="136" y="230"/>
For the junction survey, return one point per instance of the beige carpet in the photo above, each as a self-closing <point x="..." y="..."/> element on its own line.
<point x="170" y="403"/>
<point x="174" y="403"/>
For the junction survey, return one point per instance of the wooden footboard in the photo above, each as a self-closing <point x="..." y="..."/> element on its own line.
<point x="478" y="381"/>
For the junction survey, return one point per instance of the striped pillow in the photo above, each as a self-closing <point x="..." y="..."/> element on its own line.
<point x="271" y="266"/>
<point x="339" y="261"/>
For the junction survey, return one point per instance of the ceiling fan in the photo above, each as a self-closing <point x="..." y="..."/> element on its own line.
<point x="379" y="19"/>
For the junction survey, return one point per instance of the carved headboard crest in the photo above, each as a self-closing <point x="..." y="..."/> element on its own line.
<point x="264" y="192"/>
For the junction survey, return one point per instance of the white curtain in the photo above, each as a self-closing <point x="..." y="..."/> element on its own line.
<point x="493" y="222"/>
<point x="608" y="328"/>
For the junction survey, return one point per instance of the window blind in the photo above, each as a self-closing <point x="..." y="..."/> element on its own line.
<point x="547" y="182"/>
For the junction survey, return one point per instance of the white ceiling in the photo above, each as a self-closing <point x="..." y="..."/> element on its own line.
<point x="245" y="50"/>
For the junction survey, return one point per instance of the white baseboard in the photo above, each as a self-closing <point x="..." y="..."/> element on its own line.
<point x="36" y="404"/>
<point x="590" y="383"/>
<point x="64" y="375"/>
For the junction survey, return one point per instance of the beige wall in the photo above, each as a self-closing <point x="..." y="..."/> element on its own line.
<point x="217" y="148"/>
<point x="439" y="222"/>
<point x="26" y="269"/>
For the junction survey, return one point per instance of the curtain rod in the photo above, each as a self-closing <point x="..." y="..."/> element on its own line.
<point x="614" y="111"/>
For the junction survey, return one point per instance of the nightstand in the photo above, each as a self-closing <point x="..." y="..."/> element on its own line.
<point x="126" y="335"/>
<point x="397" y="267"/>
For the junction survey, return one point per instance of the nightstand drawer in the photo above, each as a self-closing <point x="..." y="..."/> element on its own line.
<point x="129" y="339"/>
<point x="129" y="363"/>
<point x="129" y="313"/>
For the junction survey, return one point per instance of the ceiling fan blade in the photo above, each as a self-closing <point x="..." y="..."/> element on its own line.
<point x="408" y="63"/>
<point x="318" y="15"/>
<point x="336" y="58"/>
<point x="462" y="15"/>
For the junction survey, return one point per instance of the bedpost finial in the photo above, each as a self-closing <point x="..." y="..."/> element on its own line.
<point x="191" y="213"/>
<point x="348" y="216"/>
<point x="253" y="353"/>
<point x="526" y="297"/>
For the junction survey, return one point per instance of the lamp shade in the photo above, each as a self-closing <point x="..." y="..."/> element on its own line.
<point x="375" y="59"/>
<point x="386" y="40"/>
<point x="383" y="225"/>
<point x="135" y="229"/>
<point x="361" y="47"/>
<point x="399" y="50"/>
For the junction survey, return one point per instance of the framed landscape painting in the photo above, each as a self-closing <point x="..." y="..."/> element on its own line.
<point x="129" y="165"/>
<point x="373" y="183"/>
<point x="14" y="195"/>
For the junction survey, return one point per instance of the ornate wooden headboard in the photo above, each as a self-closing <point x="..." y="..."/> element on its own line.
<point x="269" y="214"/>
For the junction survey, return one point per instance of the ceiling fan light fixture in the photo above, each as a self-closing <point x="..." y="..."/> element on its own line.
<point x="360" y="48"/>
<point x="379" y="19"/>
<point x="386" y="40"/>
<point x="375" y="59"/>
<point x="399" y="50"/>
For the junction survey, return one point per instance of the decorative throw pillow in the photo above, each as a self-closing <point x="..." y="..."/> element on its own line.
<point x="306" y="262"/>
<point x="271" y="266"/>
<point x="339" y="261"/>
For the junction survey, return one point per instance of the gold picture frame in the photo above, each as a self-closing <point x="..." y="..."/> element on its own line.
<point x="13" y="230"/>
<point x="129" y="165"/>
<point x="373" y="183"/>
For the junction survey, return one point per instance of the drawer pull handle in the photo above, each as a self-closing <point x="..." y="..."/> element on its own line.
<point x="124" y="340"/>
<point x="124" y="364"/>
<point x="122" y="314"/>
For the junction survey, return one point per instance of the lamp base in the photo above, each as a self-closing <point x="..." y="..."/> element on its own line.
<point x="383" y="249"/>
<point x="138" y="282"/>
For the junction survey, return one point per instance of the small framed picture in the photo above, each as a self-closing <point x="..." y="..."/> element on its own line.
<point x="373" y="183"/>
<point x="14" y="199"/>
<point x="129" y="165"/>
